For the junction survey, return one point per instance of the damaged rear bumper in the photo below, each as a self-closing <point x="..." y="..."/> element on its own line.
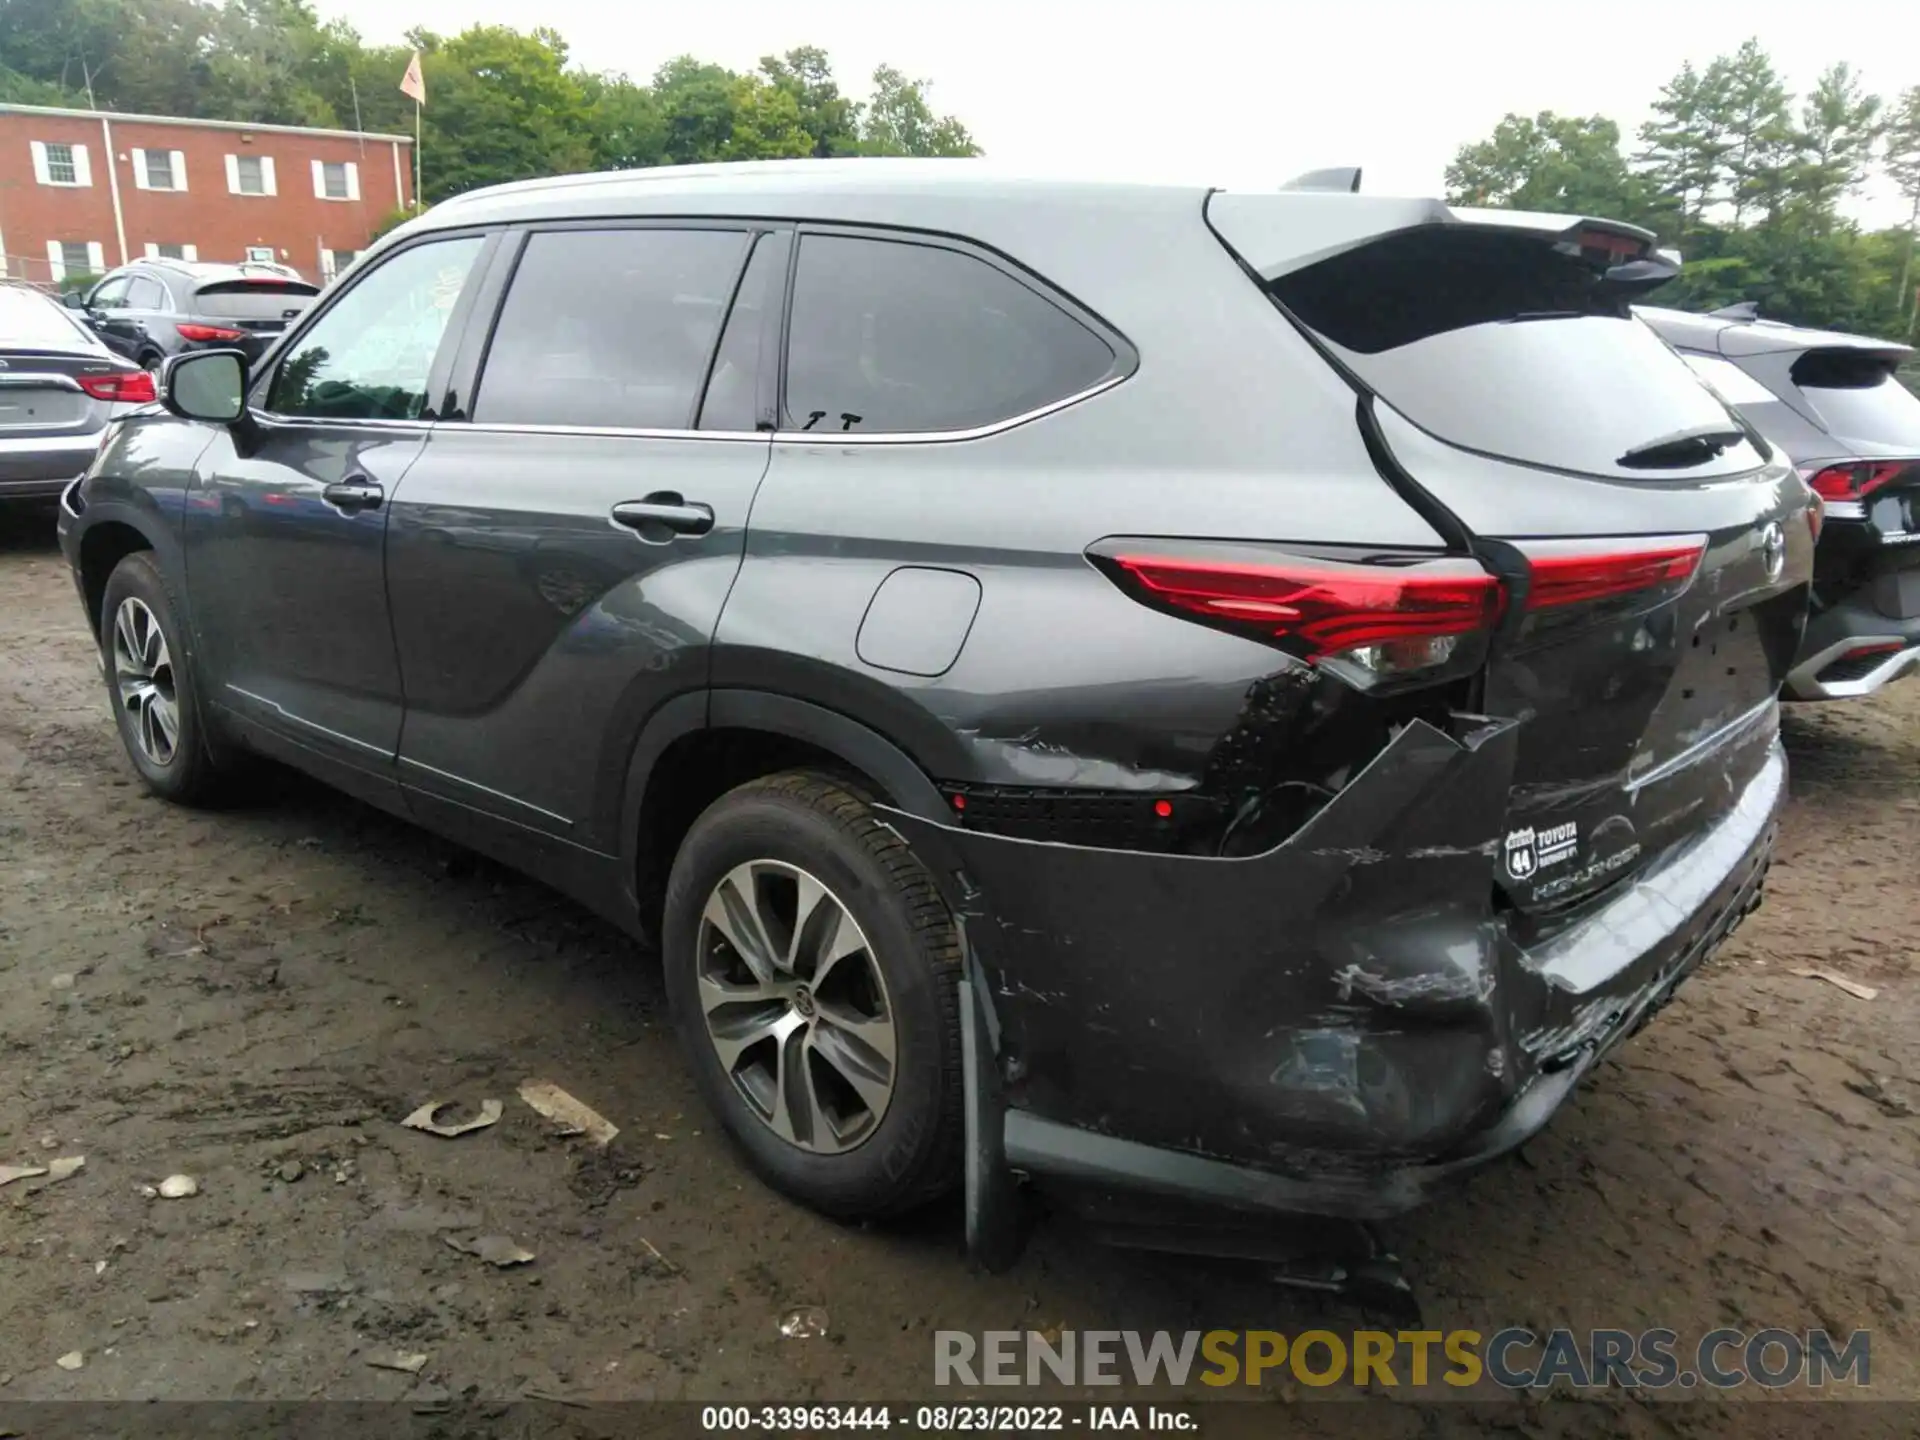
<point x="1334" y="1027"/>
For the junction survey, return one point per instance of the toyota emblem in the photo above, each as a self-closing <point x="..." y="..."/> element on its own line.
<point x="1773" y="549"/>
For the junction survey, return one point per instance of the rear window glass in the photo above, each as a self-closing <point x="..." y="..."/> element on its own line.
<point x="1500" y="343"/>
<point x="1860" y="399"/>
<point x="28" y="318"/>
<point x="254" y="299"/>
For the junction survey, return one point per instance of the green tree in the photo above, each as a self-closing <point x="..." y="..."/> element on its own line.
<point x="1685" y="146"/>
<point x="899" y="121"/>
<point x="1758" y="124"/>
<point x="828" y="117"/>
<point x="1903" y="169"/>
<point x="501" y="105"/>
<point x="1550" y="162"/>
<point x="1840" y="123"/>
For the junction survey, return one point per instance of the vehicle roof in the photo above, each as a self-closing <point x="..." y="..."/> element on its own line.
<point x="1012" y="209"/>
<point x="1734" y="336"/>
<point x="205" y="272"/>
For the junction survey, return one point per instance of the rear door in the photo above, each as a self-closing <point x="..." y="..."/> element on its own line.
<point x="108" y="314"/>
<point x="558" y="559"/>
<point x="1656" y="554"/>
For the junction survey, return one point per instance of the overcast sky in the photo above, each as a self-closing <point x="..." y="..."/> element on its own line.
<point x="1227" y="91"/>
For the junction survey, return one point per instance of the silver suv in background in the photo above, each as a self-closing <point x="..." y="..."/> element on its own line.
<point x="1834" y="403"/>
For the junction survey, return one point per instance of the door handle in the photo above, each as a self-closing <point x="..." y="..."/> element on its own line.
<point x="356" y="492"/>
<point x="664" y="510"/>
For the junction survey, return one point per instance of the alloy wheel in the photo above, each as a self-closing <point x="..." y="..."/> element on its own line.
<point x="143" y="677"/>
<point x="796" y="1007"/>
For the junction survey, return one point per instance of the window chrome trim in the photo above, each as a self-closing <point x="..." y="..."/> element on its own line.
<point x="790" y="437"/>
<point x="320" y="422"/>
<point x="935" y="437"/>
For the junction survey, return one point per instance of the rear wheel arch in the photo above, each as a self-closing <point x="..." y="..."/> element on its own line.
<point x="699" y="746"/>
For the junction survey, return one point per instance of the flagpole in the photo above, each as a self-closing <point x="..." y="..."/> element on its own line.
<point x="418" y="200"/>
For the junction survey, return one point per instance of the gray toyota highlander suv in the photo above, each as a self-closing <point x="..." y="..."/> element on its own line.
<point x="1187" y="697"/>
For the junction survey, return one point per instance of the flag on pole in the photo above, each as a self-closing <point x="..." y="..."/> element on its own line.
<point x="413" y="84"/>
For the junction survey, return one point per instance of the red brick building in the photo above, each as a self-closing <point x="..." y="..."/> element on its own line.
<point x="86" y="190"/>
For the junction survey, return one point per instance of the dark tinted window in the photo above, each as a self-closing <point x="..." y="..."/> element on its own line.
<point x="1499" y="342"/>
<point x="369" y="356"/>
<point x="253" y="299"/>
<point x="1859" y="398"/>
<point x="890" y="336"/>
<point x="733" y="390"/>
<point x="609" y="328"/>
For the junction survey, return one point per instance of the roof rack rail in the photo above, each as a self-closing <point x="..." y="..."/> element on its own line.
<point x="1344" y="178"/>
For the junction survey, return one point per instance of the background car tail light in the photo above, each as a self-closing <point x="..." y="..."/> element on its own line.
<point x="191" y="331"/>
<point x="125" y="387"/>
<point x="1845" y="480"/>
<point x="1387" y="616"/>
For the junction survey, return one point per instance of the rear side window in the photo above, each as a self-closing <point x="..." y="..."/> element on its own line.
<point x="146" y="293"/>
<point x="1858" y="397"/>
<point x="254" y="299"/>
<point x="733" y="391"/>
<point x="1500" y="342"/>
<point x="893" y="337"/>
<point x="609" y="328"/>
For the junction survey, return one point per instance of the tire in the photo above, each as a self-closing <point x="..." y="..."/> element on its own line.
<point x="136" y="609"/>
<point x="152" y="360"/>
<point x="768" y="837"/>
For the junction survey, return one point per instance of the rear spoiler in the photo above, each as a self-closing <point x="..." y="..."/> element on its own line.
<point x="1341" y="178"/>
<point x="1277" y="234"/>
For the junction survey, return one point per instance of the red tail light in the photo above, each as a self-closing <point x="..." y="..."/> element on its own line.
<point x="125" y="387"/>
<point x="1854" y="479"/>
<point x="1578" y="573"/>
<point x="191" y="331"/>
<point x="1388" y="618"/>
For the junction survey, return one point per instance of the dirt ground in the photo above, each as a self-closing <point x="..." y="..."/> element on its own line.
<point x="256" y="997"/>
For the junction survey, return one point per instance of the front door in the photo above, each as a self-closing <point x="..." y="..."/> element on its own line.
<point x="557" y="563"/>
<point x="287" y="521"/>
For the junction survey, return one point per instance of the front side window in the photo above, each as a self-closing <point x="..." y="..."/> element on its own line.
<point x="609" y="328"/>
<point x="112" y="294"/>
<point x="61" y="169"/>
<point x="369" y="356"/>
<point x="145" y="293"/>
<point x="895" y="337"/>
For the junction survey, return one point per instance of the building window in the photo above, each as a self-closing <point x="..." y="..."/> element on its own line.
<point x="159" y="170"/>
<point x="250" y="175"/>
<point x="171" y="252"/>
<point x="60" y="164"/>
<point x="335" y="261"/>
<point x="336" y="180"/>
<point x="260" y="254"/>
<point x="68" y="259"/>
